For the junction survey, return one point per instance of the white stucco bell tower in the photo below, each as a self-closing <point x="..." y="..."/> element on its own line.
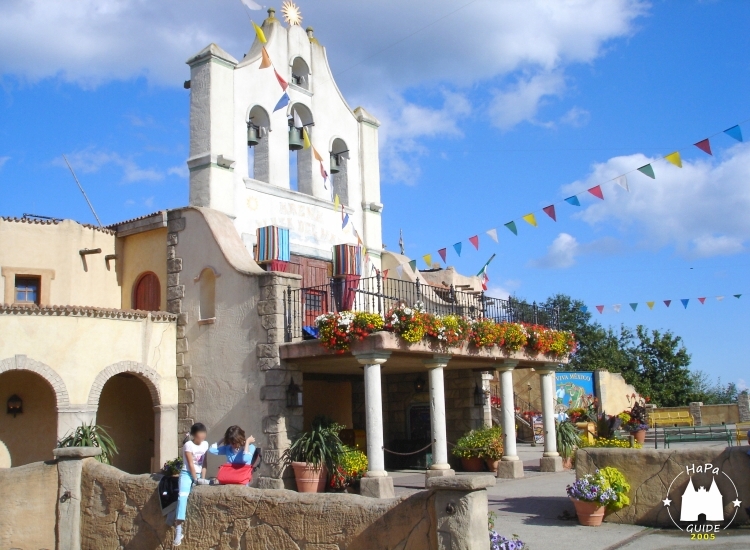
<point x="241" y="161"/>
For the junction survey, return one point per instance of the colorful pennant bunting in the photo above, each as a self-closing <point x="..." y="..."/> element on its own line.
<point x="305" y="139"/>
<point x="265" y="60"/>
<point x="573" y="200"/>
<point x="705" y="146"/>
<point x="600" y="309"/>
<point x="317" y="155"/>
<point x="648" y="170"/>
<point x="283" y="102"/>
<point x="550" y="211"/>
<point x="650" y="305"/>
<point x="475" y="241"/>
<point x="617" y="307"/>
<point x="584" y="309"/>
<point x="259" y="33"/>
<point x="336" y="202"/>
<point x="296" y="120"/>
<point x="685" y="302"/>
<point x="385" y="273"/>
<point x="702" y="300"/>
<point x="667" y="302"/>
<point x="530" y="219"/>
<point x="634" y="306"/>
<point x="674" y="158"/>
<point x="493" y="234"/>
<point x="282" y="82"/>
<point x="734" y="132"/>
<point x="512" y="227"/>
<point x="457" y="248"/>
<point x="413" y="265"/>
<point x="622" y="181"/>
<point x="443" y="253"/>
<point x="345" y="221"/>
<point x="737" y="296"/>
<point x="719" y="298"/>
<point x="597" y="191"/>
<point x="252" y="5"/>
<point x="427" y="260"/>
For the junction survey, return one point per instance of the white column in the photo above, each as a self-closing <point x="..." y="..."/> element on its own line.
<point x="547" y="383"/>
<point x="165" y="435"/>
<point x="487" y="408"/>
<point x="509" y="412"/>
<point x="437" y="411"/>
<point x="374" y="412"/>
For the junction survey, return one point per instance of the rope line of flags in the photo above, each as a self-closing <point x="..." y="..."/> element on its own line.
<point x="616" y="308"/>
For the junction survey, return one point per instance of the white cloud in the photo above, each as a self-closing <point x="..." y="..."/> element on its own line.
<point x="92" y="160"/>
<point x="3" y="160"/>
<point x="699" y="209"/>
<point x="180" y="171"/>
<point x="564" y="250"/>
<point x="522" y="100"/>
<point x="576" y="117"/>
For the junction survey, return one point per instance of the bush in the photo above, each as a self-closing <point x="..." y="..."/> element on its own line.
<point x="616" y="480"/>
<point x="481" y="443"/>
<point x="568" y="437"/>
<point x="613" y="443"/>
<point x="606" y="487"/>
<point x="91" y="435"/>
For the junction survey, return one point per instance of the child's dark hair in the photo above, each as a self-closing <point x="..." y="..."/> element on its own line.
<point x="197" y="427"/>
<point x="234" y="436"/>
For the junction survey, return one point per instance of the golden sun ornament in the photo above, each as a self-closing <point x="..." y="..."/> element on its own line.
<point x="291" y="13"/>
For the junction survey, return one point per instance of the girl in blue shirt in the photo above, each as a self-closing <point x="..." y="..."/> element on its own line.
<point x="235" y="446"/>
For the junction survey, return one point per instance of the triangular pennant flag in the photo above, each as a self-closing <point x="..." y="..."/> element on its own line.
<point x="266" y="60"/>
<point x="650" y="305"/>
<point x="443" y="253"/>
<point x="413" y="265"/>
<point x="737" y="296"/>
<point x="734" y="132"/>
<point x="283" y="102"/>
<point x="634" y="306"/>
<point x="648" y="170"/>
<point x="674" y="158"/>
<point x="282" y="82"/>
<point x="622" y="181"/>
<point x="305" y="139"/>
<point x="719" y="298"/>
<point x="385" y="274"/>
<point x="252" y="5"/>
<point x="427" y="260"/>
<point x="600" y="309"/>
<point x="617" y="307"/>
<point x="493" y="234"/>
<point x="399" y="270"/>
<point x="530" y="219"/>
<point x="512" y="227"/>
<point x="597" y="191"/>
<point x="259" y="33"/>
<point x="584" y="309"/>
<point x="336" y="202"/>
<point x="573" y="200"/>
<point x="296" y="120"/>
<point x="475" y="241"/>
<point x="702" y="300"/>
<point x="323" y="173"/>
<point x="317" y="155"/>
<point x="457" y="248"/>
<point x="550" y="211"/>
<point x="685" y="302"/>
<point x="667" y="302"/>
<point x="704" y="145"/>
<point x="345" y="221"/>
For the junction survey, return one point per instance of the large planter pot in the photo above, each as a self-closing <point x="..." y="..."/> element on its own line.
<point x="310" y="479"/>
<point x="589" y="514"/>
<point x="492" y="464"/>
<point x="474" y="464"/>
<point x="567" y="463"/>
<point x="640" y="436"/>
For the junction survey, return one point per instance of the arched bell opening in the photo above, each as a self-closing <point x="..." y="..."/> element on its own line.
<point x="300" y="152"/>
<point x="300" y="73"/>
<point x="338" y="169"/>
<point x="258" y="126"/>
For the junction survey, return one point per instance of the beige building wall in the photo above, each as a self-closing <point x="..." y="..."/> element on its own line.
<point x="720" y="414"/>
<point x="612" y="391"/>
<point x="139" y="254"/>
<point x="51" y="251"/>
<point x="332" y="398"/>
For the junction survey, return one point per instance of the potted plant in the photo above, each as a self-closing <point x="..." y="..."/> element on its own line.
<point x="172" y="467"/>
<point x="636" y="422"/>
<point x="468" y="449"/>
<point x="491" y="443"/>
<point x="568" y="437"/>
<point x="315" y="453"/>
<point x="91" y="435"/>
<point x="349" y="471"/>
<point x="593" y="493"/>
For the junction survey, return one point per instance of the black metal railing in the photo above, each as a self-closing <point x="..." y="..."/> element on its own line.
<point x="380" y="295"/>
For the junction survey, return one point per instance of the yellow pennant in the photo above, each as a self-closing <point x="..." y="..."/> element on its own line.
<point x="259" y="33"/>
<point x="336" y="202"/>
<point x="427" y="259"/>
<point x="650" y="305"/>
<point x="306" y="139"/>
<point x="364" y="250"/>
<point x="530" y="219"/>
<point x="317" y="155"/>
<point x="266" y="62"/>
<point x="675" y="159"/>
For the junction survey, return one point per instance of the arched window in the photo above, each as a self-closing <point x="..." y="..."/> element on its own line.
<point x="300" y="73"/>
<point x="207" y="294"/>
<point x="258" y="126"/>
<point x="147" y="292"/>
<point x="338" y="169"/>
<point x="300" y="159"/>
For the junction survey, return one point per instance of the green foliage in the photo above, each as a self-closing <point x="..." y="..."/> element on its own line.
<point x="617" y="482"/>
<point x="568" y="437"/>
<point x="354" y="462"/>
<point x="321" y="445"/>
<point x="712" y="394"/>
<point x="91" y="435"/>
<point x="481" y="443"/>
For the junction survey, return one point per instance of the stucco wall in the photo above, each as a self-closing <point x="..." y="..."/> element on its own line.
<point x="612" y="391"/>
<point x="77" y="280"/>
<point x="720" y="414"/>
<point x="28" y="496"/>
<point x="140" y="253"/>
<point x="331" y="398"/>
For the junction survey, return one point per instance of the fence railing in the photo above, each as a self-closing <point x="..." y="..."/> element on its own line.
<point x="380" y="295"/>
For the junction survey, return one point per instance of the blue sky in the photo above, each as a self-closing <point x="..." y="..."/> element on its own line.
<point x="490" y="110"/>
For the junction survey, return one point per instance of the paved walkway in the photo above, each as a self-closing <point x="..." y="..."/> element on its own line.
<point x="537" y="509"/>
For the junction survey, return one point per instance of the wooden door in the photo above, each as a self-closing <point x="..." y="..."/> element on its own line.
<point x="315" y="273"/>
<point x="147" y="293"/>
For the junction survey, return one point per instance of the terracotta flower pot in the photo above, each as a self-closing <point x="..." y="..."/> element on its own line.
<point x="589" y="514"/>
<point x="640" y="436"/>
<point x="491" y="464"/>
<point x="474" y="464"/>
<point x="567" y="463"/>
<point x="310" y="479"/>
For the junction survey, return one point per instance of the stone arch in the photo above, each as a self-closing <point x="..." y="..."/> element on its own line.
<point x="21" y="362"/>
<point x="147" y="374"/>
<point x="301" y="159"/>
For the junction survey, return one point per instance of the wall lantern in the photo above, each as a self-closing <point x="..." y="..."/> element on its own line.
<point x="478" y="396"/>
<point x="420" y="385"/>
<point x="15" y="405"/>
<point x="293" y="395"/>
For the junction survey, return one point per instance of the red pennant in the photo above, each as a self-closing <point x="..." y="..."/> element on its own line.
<point x="550" y="211"/>
<point x="442" y="253"/>
<point x="475" y="241"/>
<point x="385" y="274"/>
<point x="323" y="172"/>
<point x="702" y="300"/>
<point x="282" y="82"/>
<point x="600" y="309"/>
<point x="705" y="146"/>
<point x="597" y="192"/>
<point x="667" y="302"/>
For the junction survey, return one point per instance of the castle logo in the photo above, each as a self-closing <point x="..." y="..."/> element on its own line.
<point x="702" y="511"/>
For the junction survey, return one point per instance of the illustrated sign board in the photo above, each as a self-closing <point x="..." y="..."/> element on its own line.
<point x="574" y="390"/>
<point x="538" y="426"/>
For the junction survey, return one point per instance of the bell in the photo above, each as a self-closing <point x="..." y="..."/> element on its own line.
<point x="253" y="137"/>
<point x="296" y="141"/>
<point x="335" y="163"/>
